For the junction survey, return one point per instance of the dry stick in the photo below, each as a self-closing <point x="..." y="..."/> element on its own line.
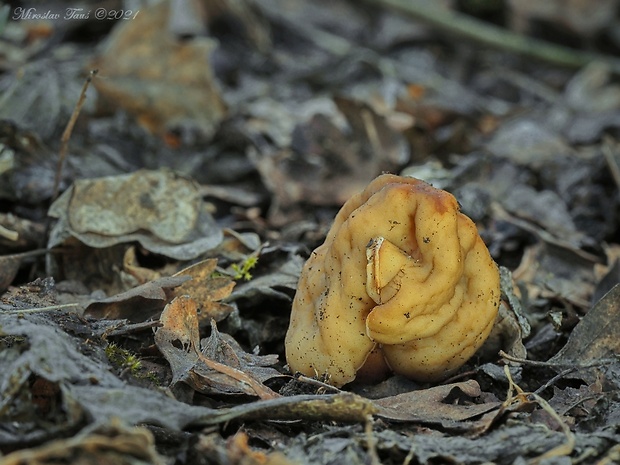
<point x="39" y="309"/>
<point x="371" y="442"/>
<point x="561" y="450"/>
<point x="261" y="390"/>
<point x="8" y="234"/>
<point x="593" y="364"/>
<point x="66" y="135"/>
<point x="62" y="155"/>
<point x="344" y="407"/>
<point x="466" y="26"/>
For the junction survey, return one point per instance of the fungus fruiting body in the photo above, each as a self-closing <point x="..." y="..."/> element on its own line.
<point x="402" y="283"/>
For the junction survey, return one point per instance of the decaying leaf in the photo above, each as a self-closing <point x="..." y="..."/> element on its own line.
<point x="224" y="348"/>
<point x="110" y="444"/>
<point x="595" y="338"/>
<point x="578" y="403"/>
<point x="139" y="273"/>
<point x="140" y="303"/>
<point x="551" y="270"/>
<point x="178" y="340"/>
<point x="34" y="347"/>
<point x="207" y="290"/>
<point x="9" y="266"/>
<point x="511" y="325"/>
<point x="35" y="97"/>
<point x="345" y="139"/>
<point x="527" y="142"/>
<point x="162" y="80"/>
<point x="430" y="405"/>
<point x="162" y="211"/>
<point x="238" y="450"/>
<point x="24" y="157"/>
<point x="595" y="96"/>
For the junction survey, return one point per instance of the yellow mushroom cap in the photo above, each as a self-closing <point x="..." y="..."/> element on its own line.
<point x="403" y="279"/>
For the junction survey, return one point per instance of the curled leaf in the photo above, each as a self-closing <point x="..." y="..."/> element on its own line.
<point x="207" y="290"/>
<point x="178" y="340"/>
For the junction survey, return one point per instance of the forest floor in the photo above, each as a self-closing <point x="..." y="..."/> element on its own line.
<point x="172" y="166"/>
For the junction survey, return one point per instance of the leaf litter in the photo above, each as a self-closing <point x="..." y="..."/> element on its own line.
<point x="209" y="160"/>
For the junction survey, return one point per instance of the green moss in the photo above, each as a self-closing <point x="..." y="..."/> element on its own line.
<point x="242" y="270"/>
<point x="123" y="358"/>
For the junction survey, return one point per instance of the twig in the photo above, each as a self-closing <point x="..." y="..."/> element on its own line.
<point x="124" y="329"/>
<point x="40" y="309"/>
<point x="371" y="442"/>
<point x="555" y="379"/>
<point x="564" y="449"/>
<point x="466" y="26"/>
<point x="261" y="390"/>
<point x="62" y="155"/>
<point x="344" y="407"/>
<point x="8" y="234"/>
<point x="572" y="365"/>
<point x="535" y="363"/>
<point x="66" y="135"/>
<point x="324" y="387"/>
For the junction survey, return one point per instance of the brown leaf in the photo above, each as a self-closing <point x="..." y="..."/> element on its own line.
<point x="596" y="336"/>
<point x="178" y="337"/>
<point x="178" y="340"/>
<point x="113" y="443"/>
<point x="225" y="349"/>
<point x="207" y="290"/>
<point x="137" y="304"/>
<point x="331" y="156"/>
<point x="133" y="268"/>
<point x="239" y="451"/>
<point x="158" y="208"/>
<point x="430" y="406"/>
<point x="20" y="233"/>
<point x="9" y="266"/>
<point x="162" y="80"/>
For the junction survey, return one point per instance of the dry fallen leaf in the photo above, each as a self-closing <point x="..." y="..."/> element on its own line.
<point x="344" y="140"/>
<point x="207" y="290"/>
<point x="178" y="340"/>
<point x="137" y="304"/>
<point x="239" y="451"/>
<point x="9" y="266"/>
<point x="224" y="348"/>
<point x="164" y="81"/>
<point x="139" y="273"/>
<point x="430" y="405"/>
<point x="114" y="443"/>
<point x="159" y="209"/>
<point x="595" y="338"/>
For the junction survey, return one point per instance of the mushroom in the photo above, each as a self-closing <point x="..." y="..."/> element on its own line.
<point x="403" y="283"/>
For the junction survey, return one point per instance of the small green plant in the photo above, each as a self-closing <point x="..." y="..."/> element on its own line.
<point x="123" y="358"/>
<point x="242" y="270"/>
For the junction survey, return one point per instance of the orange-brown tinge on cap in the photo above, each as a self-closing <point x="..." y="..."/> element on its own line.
<point x="403" y="278"/>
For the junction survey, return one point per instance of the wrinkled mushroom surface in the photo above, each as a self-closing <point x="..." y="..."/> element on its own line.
<point x="403" y="283"/>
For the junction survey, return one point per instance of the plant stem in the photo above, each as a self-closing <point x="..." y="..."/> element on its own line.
<point x="466" y="26"/>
